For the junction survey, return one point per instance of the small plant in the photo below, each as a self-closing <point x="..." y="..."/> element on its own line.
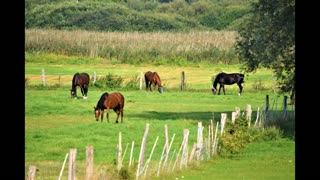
<point x="258" y="85"/>
<point x="109" y="81"/>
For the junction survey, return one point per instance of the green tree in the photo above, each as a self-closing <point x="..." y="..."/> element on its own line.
<point x="267" y="39"/>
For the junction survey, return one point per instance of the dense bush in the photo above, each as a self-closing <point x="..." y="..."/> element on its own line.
<point x="137" y="15"/>
<point x="236" y="136"/>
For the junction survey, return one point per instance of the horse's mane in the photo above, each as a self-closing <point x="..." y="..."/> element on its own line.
<point x="158" y="79"/>
<point x="101" y="100"/>
<point x="75" y="76"/>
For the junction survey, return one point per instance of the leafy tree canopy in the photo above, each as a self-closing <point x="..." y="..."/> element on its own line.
<point x="267" y="39"/>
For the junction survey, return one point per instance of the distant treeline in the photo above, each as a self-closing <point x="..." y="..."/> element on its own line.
<point x="135" y="15"/>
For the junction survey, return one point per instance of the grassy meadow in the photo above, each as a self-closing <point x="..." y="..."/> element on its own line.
<point x="55" y="123"/>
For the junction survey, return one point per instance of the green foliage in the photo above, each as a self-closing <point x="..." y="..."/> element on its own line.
<point x="110" y="81"/>
<point x="258" y="85"/>
<point x="135" y="15"/>
<point x="238" y="135"/>
<point x="267" y="39"/>
<point x="133" y="83"/>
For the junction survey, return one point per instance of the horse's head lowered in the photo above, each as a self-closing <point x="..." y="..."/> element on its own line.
<point x="97" y="113"/>
<point x="214" y="90"/>
<point x="73" y="93"/>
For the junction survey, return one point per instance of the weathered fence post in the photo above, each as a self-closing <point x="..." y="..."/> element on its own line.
<point x="72" y="164"/>
<point x="94" y="77"/>
<point x="149" y="159"/>
<point x="194" y="147"/>
<point x="223" y="122"/>
<point x="215" y="139"/>
<point x="285" y="106"/>
<point x="89" y="159"/>
<point x="164" y="164"/>
<point x="182" y="81"/>
<point x="64" y="162"/>
<point x="131" y="153"/>
<point x="120" y="152"/>
<point x="32" y="172"/>
<point x="184" y="156"/>
<point x="43" y="77"/>
<point x="248" y="114"/>
<point x="141" y="80"/>
<point x="142" y="150"/>
<point x="267" y="107"/>
<point x="233" y="117"/>
<point x="199" y="141"/>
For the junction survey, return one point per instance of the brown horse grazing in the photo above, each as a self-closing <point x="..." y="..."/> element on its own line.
<point x="82" y="80"/>
<point x="153" y="79"/>
<point x="108" y="101"/>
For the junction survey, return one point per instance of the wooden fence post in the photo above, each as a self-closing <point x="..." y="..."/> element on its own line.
<point x="184" y="156"/>
<point x="43" y="77"/>
<point x="32" y="172"/>
<point x="166" y="145"/>
<point x="285" y="106"/>
<point x="64" y="162"/>
<point x="267" y="107"/>
<point x="94" y="77"/>
<point x="131" y="153"/>
<point x="120" y="152"/>
<point x="89" y="165"/>
<point x="141" y="80"/>
<point x="248" y="114"/>
<point x="72" y="164"/>
<point x="182" y="81"/>
<point x="142" y="151"/>
<point x="223" y="122"/>
<point x="199" y="141"/>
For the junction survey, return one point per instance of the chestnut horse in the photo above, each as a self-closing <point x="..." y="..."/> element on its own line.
<point x="153" y="79"/>
<point x="82" y="80"/>
<point x="227" y="79"/>
<point x="108" y="101"/>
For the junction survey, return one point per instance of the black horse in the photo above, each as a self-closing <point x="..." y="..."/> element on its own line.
<point x="227" y="79"/>
<point x="82" y="80"/>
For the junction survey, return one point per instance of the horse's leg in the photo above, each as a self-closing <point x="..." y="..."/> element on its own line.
<point x="147" y="85"/>
<point x="118" y="113"/>
<point x="240" y="87"/>
<point x="108" y="110"/>
<point x="224" y="91"/>
<point x="82" y="91"/>
<point x="85" y="91"/>
<point x="219" y="89"/>
<point x="121" y="112"/>
<point x="102" y="112"/>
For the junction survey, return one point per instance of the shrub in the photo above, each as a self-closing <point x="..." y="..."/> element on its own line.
<point x="109" y="81"/>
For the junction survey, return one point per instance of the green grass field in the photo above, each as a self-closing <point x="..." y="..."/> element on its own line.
<point x="55" y="123"/>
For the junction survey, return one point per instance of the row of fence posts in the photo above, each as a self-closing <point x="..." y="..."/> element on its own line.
<point x="43" y="77"/>
<point x="198" y="152"/>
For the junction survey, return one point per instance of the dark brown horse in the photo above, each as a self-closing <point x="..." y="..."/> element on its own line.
<point x="108" y="101"/>
<point x="82" y="80"/>
<point x="227" y="79"/>
<point x="153" y="79"/>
